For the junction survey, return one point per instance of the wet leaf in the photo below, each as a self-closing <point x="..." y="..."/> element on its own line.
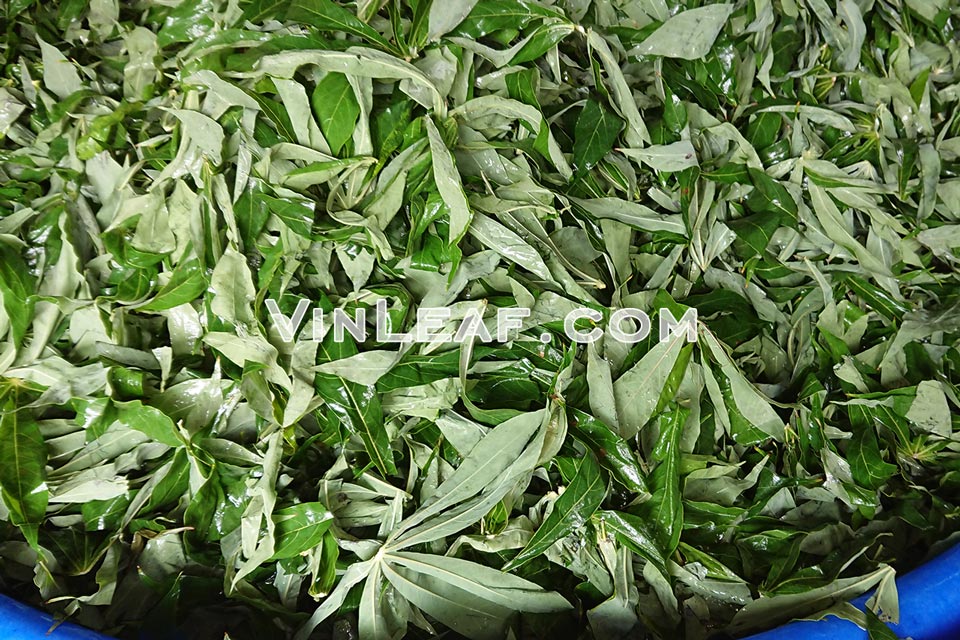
<point x="570" y="511"/>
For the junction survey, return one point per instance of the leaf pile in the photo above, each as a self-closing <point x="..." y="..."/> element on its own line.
<point x="173" y="170"/>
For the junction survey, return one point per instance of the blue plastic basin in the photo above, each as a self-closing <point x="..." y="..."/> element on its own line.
<point x="20" y="622"/>
<point x="929" y="610"/>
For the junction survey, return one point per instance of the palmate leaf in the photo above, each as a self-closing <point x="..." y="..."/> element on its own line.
<point x="460" y="610"/>
<point x="354" y="575"/>
<point x="472" y="599"/>
<point x="372" y="621"/>
<point x="503" y="456"/>
<point x="485" y="583"/>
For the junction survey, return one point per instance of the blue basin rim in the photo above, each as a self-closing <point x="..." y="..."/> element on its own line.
<point x="929" y="610"/>
<point x="21" y="622"/>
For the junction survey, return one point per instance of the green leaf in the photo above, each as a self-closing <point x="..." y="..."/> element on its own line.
<point x="508" y="244"/>
<point x="483" y="582"/>
<point x="637" y="391"/>
<point x="23" y="477"/>
<point x="329" y="16"/>
<point x="174" y="173"/>
<point x="635" y="533"/>
<point x="636" y="133"/>
<point x="877" y="629"/>
<point x="448" y="184"/>
<point x="763" y="129"/>
<point x="355" y="574"/>
<point x="298" y="216"/>
<point x="756" y="230"/>
<point x="186" y="283"/>
<point x="543" y="39"/>
<point x="204" y="131"/>
<point x="929" y="411"/>
<point x="460" y="610"/>
<point x="495" y="15"/>
<point x="632" y="214"/>
<point x="259" y="10"/>
<point x="489" y="460"/>
<point x="149" y="420"/>
<point x="336" y="109"/>
<point x="372" y="618"/>
<point x="444" y="17"/>
<point x="16" y="287"/>
<point x="300" y="528"/>
<point x="570" y="511"/>
<point x="232" y="288"/>
<point x="277" y="114"/>
<point x="612" y="451"/>
<point x="782" y="607"/>
<point x="16" y="7"/>
<point x="357" y="407"/>
<point x="769" y="196"/>
<point x="665" y="508"/>
<point x="688" y="34"/>
<point x="751" y="417"/>
<point x="252" y="214"/>
<point x="866" y="461"/>
<point x="190" y="20"/>
<point x="59" y="74"/>
<point x="596" y="131"/>
<point x="672" y="157"/>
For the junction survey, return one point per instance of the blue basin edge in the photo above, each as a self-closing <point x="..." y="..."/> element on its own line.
<point x="22" y="622"/>
<point x="929" y="608"/>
